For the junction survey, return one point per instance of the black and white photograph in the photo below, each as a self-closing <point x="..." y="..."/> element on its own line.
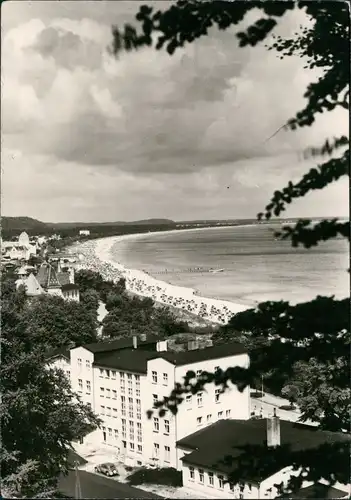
<point x="175" y="249"/>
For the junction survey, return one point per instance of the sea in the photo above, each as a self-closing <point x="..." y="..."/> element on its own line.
<point x="256" y="266"/>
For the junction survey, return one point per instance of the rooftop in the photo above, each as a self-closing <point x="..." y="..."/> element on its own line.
<point x="230" y="438"/>
<point x="136" y="359"/>
<point x="116" y="345"/>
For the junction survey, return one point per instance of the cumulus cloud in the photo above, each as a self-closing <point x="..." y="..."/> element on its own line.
<point x="193" y="121"/>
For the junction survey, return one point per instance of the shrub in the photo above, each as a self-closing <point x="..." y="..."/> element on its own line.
<point x="167" y="476"/>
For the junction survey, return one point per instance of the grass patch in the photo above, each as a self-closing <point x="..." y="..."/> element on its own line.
<point x="167" y="476"/>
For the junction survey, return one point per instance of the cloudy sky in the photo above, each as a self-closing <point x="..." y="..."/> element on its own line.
<point x="87" y="137"/>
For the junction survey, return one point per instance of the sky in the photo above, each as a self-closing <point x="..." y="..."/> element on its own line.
<point x="90" y="137"/>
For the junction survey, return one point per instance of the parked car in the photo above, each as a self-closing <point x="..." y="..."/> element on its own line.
<point x="107" y="469"/>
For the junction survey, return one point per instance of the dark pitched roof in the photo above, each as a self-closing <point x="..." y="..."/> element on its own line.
<point x="136" y="359"/>
<point x="62" y="351"/>
<point x="318" y="490"/>
<point x="229" y="437"/>
<point x="47" y="277"/>
<point x="116" y="345"/>
<point x="197" y="355"/>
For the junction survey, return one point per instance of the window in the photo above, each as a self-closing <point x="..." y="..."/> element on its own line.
<point x="109" y="432"/>
<point x="154" y="398"/>
<point x="108" y="411"/>
<point x="131" y="413"/>
<point x="199" y="420"/>
<point x="113" y="374"/>
<point x="80" y="384"/>
<point x="209" y="417"/>
<point x="192" y="473"/>
<point x="220" y="414"/>
<point x="137" y="392"/>
<point x="138" y="402"/>
<point x="130" y="400"/>
<point x="102" y="392"/>
<point x="166" y="426"/>
<point x="139" y="432"/>
<point x="121" y="375"/>
<point x="167" y="453"/>
<point x="154" y="377"/>
<point x="217" y="393"/>
<point x="199" y="399"/>
<point x="201" y="475"/>
<point x="140" y="448"/>
<point x="88" y="386"/>
<point x="165" y="378"/>
<point x="129" y="376"/>
<point x="131" y="445"/>
<point x="130" y="391"/>
<point x="108" y="393"/>
<point x="131" y="435"/>
<point x="138" y="415"/>
<point x="79" y="362"/>
<point x="137" y="379"/>
<point x="101" y="372"/>
<point x="102" y="410"/>
<point x="124" y="429"/>
<point x="210" y="478"/>
<point x="156" y="450"/>
<point x="156" y="424"/>
<point x="107" y="374"/>
<point x="114" y="394"/>
<point x="114" y="414"/>
<point x="198" y="373"/>
<point x="89" y="404"/>
<point x="188" y="401"/>
<point x="231" y="486"/>
<point x="116" y="434"/>
<point x="227" y="414"/>
<point x="87" y="364"/>
<point x="221" y="482"/>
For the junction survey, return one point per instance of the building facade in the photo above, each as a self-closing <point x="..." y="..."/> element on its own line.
<point x="121" y="385"/>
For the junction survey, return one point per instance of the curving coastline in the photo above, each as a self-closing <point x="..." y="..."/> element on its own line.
<point x="96" y="255"/>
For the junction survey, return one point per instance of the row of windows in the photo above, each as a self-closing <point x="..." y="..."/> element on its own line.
<point x="157" y="425"/>
<point x="199" y="475"/>
<point x="87" y="385"/>
<point x="220" y="414"/>
<point x="155" y="378"/>
<point x="107" y="391"/>
<point x="199" y="398"/>
<point x="87" y="363"/>
<point x="109" y="411"/>
<point x="167" y="452"/>
<point x="104" y="373"/>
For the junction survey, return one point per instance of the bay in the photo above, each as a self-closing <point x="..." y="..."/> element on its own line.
<point x="256" y="266"/>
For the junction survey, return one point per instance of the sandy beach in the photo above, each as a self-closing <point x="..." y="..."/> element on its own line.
<point x="96" y="255"/>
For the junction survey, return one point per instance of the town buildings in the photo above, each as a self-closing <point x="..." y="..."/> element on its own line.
<point x="84" y="232"/>
<point x="19" y="250"/>
<point x="123" y="379"/>
<point x="49" y="280"/>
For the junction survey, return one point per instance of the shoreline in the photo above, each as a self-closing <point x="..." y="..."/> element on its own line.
<point x="96" y="255"/>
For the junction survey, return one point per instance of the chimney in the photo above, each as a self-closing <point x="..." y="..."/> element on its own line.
<point x="161" y="346"/>
<point x="193" y="345"/>
<point x="135" y="342"/>
<point x="273" y="430"/>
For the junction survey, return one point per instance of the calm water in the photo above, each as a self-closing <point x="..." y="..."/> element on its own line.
<point x="256" y="266"/>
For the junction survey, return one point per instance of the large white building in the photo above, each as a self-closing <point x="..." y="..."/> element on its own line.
<point x="122" y="380"/>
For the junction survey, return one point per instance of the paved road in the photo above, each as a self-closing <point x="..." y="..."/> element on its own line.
<point x="96" y="486"/>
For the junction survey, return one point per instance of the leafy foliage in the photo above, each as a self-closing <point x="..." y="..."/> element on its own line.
<point x="40" y="414"/>
<point x="301" y="350"/>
